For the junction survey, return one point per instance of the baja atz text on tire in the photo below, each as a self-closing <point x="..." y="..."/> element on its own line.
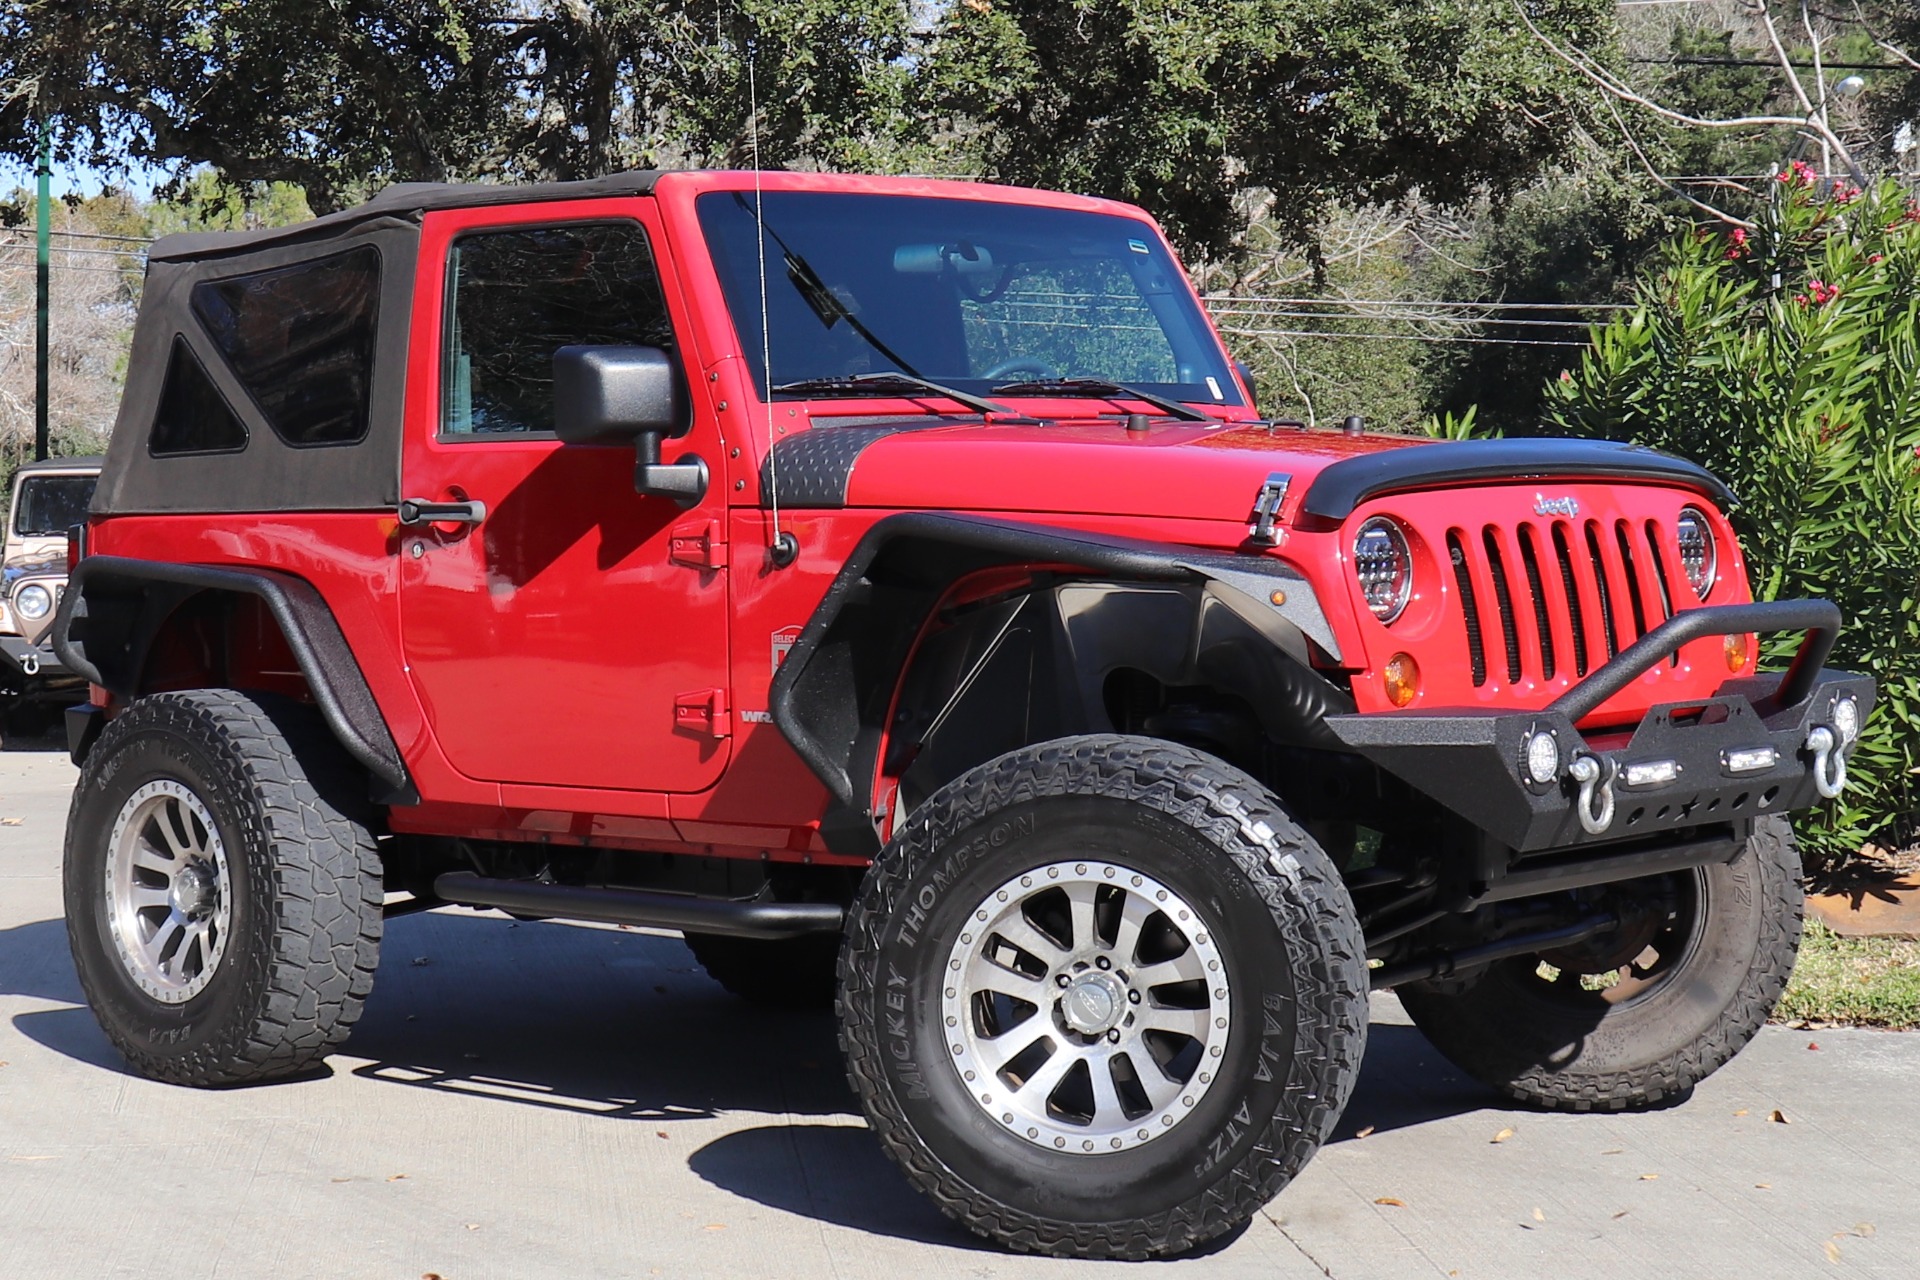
<point x="223" y="903"/>
<point x="1102" y="997"/>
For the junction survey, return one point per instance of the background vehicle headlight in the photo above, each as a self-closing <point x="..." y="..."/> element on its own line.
<point x="33" y="602"/>
<point x="1699" y="557"/>
<point x="1384" y="566"/>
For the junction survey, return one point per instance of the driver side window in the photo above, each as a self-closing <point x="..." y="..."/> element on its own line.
<point x="515" y="296"/>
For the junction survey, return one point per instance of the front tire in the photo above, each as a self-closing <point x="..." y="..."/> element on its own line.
<point x="223" y="907"/>
<point x="1613" y="1025"/>
<point x="1101" y="997"/>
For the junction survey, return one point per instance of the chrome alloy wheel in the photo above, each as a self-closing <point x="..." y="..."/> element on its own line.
<point x="169" y="897"/>
<point x="1087" y="1007"/>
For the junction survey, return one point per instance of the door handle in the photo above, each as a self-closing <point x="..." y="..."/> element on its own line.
<point x="420" y="511"/>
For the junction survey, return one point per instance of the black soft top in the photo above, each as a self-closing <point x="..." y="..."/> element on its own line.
<point x="269" y="473"/>
<point x="404" y="200"/>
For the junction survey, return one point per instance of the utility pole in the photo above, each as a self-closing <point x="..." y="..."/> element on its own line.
<point x="43" y="226"/>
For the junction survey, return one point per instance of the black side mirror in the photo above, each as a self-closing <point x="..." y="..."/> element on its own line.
<point x="613" y="395"/>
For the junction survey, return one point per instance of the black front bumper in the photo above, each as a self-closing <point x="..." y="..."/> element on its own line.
<point x="26" y="665"/>
<point x="1475" y="764"/>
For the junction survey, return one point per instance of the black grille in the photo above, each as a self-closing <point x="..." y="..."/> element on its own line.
<point x="1620" y="571"/>
<point x="1476" y="652"/>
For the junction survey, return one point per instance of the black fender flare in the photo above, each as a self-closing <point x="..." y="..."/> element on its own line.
<point x="831" y="696"/>
<point x="115" y="607"/>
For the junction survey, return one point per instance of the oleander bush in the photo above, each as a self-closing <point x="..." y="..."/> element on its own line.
<point x="1785" y="356"/>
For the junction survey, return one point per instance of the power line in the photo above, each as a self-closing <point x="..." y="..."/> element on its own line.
<point x="1397" y="337"/>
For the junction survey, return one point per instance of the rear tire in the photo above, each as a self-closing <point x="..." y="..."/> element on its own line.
<point x="1564" y="1044"/>
<point x="1154" y="905"/>
<point x="223" y="903"/>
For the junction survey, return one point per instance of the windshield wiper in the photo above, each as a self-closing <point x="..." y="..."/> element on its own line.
<point x="1102" y="388"/>
<point x="882" y="383"/>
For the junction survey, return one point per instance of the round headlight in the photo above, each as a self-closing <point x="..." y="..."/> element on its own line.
<point x="1384" y="567"/>
<point x="1699" y="557"/>
<point x="33" y="602"/>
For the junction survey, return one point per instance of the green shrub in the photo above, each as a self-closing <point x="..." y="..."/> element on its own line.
<point x="1786" y="358"/>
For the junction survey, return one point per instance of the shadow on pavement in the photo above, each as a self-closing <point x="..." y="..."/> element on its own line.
<point x="593" y="1021"/>
<point x="1405" y="1082"/>
<point x="625" y="1025"/>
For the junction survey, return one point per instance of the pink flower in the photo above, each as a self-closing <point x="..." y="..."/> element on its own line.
<point x="1737" y="246"/>
<point x="1799" y="174"/>
<point x="1845" y="193"/>
<point x="1822" y="292"/>
<point x="1876" y="259"/>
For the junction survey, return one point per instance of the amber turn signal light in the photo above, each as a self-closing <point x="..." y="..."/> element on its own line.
<point x="1739" y="651"/>
<point x="1402" y="678"/>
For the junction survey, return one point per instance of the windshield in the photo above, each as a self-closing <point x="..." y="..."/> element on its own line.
<point x="50" y="505"/>
<point x="969" y="293"/>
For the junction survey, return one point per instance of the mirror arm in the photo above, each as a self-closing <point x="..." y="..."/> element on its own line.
<point x="684" y="481"/>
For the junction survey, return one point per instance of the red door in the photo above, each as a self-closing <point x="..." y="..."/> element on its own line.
<point x="570" y="637"/>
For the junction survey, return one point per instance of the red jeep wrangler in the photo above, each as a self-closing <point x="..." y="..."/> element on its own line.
<point x="890" y="584"/>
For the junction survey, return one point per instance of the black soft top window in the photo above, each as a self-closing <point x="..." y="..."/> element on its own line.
<point x="50" y="505"/>
<point x="300" y="340"/>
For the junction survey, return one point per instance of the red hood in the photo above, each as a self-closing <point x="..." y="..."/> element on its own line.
<point x="1177" y="470"/>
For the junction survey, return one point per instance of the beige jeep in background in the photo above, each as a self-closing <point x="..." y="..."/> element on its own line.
<point x="48" y="499"/>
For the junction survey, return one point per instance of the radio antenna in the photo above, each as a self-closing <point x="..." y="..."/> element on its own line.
<point x="782" y="548"/>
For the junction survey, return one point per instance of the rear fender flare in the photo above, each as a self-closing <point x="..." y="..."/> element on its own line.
<point x="115" y="607"/>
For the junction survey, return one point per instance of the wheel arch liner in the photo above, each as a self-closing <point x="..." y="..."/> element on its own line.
<point x="1126" y="603"/>
<point x="115" y="607"/>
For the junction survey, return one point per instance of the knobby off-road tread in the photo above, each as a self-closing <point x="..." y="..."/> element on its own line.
<point x="1294" y="877"/>
<point x="1780" y="902"/>
<point x="305" y="990"/>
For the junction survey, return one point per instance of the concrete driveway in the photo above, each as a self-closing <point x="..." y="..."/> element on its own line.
<point x="533" y="1100"/>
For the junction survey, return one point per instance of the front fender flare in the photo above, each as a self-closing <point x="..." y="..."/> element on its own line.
<point x="830" y="696"/>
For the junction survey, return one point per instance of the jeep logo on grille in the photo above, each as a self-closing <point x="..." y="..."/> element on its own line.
<point x="1545" y="506"/>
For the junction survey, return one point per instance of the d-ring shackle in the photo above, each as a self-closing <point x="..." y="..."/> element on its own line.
<point x="1594" y="774"/>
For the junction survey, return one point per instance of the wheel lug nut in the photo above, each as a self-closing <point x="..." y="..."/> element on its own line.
<point x="1113" y="1036"/>
<point x="1133" y="997"/>
<point x="1061" y="980"/>
<point x="1104" y="963"/>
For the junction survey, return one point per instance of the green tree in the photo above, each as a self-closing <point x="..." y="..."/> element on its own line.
<point x="1787" y="359"/>
<point x="1320" y="102"/>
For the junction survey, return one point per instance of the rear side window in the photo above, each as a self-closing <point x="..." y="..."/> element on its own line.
<point x="519" y="295"/>
<point x="300" y="340"/>
<point x="193" y="416"/>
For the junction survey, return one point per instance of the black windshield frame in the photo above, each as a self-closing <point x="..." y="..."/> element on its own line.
<point x="902" y="261"/>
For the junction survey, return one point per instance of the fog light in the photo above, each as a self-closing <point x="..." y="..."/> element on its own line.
<point x="1739" y="649"/>
<point x="1402" y="678"/>
<point x="1651" y="773"/>
<point x="1543" y="757"/>
<point x="1846" y="719"/>
<point x="1749" y="759"/>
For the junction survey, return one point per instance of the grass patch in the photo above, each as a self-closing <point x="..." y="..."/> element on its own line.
<point x="1862" y="982"/>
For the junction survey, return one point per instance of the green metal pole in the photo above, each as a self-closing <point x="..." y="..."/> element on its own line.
<point x="43" y="213"/>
